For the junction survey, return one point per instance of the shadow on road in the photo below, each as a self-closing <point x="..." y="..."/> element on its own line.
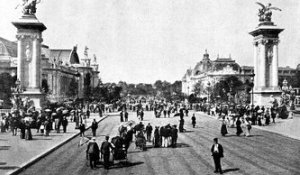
<point x="4" y="147"/>
<point x="120" y="164"/>
<point x="230" y="169"/>
<point x="125" y="164"/>
<point x="8" y="167"/>
<point x="3" y="163"/>
<point x="35" y="139"/>
<point x="182" y="145"/>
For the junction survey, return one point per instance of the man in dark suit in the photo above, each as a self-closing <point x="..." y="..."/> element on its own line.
<point x="105" y="151"/>
<point x="93" y="152"/>
<point x="124" y="115"/>
<point x="217" y="153"/>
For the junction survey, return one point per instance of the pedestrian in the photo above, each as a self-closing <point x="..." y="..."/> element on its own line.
<point x="142" y="114"/>
<point x="186" y="112"/>
<point x="92" y="152"/>
<point x="217" y="154"/>
<point x="94" y="127"/>
<point x="181" y="124"/>
<point x="156" y="140"/>
<point x="105" y="151"/>
<point x="224" y="127"/>
<point x="174" y="135"/>
<point x="124" y="115"/>
<point x="64" y="123"/>
<point x="239" y="130"/>
<point x="48" y="126"/>
<point x="193" y="120"/>
<point x="81" y="129"/>
<point x="248" y="127"/>
<point x="14" y="124"/>
<point x="149" y="132"/>
<point x="163" y="136"/>
<point x="273" y="114"/>
<point x="28" y="135"/>
<point x="165" y="113"/>
<point x="88" y="113"/>
<point x="267" y="116"/>
<point x="22" y="127"/>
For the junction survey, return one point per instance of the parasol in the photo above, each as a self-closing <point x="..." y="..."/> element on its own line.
<point x="48" y="110"/>
<point x="65" y="111"/>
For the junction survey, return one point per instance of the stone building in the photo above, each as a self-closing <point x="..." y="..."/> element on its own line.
<point x="210" y="72"/>
<point x="60" y="69"/>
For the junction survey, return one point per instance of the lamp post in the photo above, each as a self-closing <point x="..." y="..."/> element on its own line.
<point x="252" y="84"/>
<point x="208" y="91"/>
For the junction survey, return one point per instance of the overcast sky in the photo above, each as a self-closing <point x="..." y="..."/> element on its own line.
<point x="145" y="40"/>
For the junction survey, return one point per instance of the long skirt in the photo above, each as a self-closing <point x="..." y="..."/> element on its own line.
<point x="224" y="130"/>
<point x="239" y="130"/>
<point x="28" y="135"/>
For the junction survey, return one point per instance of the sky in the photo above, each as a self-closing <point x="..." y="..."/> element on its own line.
<point x="141" y="41"/>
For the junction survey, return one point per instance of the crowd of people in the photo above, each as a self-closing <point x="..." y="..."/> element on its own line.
<point x="242" y="117"/>
<point x="55" y="118"/>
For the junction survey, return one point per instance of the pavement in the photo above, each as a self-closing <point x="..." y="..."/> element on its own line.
<point x="16" y="154"/>
<point x="287" y="127"/>
<point x="264" y="153"/>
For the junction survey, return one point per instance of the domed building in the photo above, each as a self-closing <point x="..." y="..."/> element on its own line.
<point x="209" y="72"/>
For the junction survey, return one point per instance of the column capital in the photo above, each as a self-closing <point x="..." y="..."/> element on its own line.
<point x="276" y="41"/>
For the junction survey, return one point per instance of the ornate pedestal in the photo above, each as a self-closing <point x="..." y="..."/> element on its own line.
<point x="29" y="35"/>
<point x="265" y="43"/>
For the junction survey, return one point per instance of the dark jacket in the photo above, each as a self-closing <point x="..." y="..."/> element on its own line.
<point x="149" y="129"/>
<point x="94" y="125"/>
<point x="93" y="148"/>
<point x="220" y="151"/>
<point x="105" y="147"/>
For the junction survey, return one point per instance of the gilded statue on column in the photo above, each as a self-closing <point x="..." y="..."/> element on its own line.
<point x="29" y="6"/>
<point x="265" y="13"/>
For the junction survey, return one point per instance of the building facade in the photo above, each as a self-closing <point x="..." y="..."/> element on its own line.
<point x="209" y="72"/>
<point x="62" y="70"/>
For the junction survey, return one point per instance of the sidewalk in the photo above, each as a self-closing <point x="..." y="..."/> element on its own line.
<point x="286" y="127"/>
<point x="16" y="153"/>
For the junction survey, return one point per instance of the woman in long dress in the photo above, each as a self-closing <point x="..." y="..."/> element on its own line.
<point x="224" y="127"/>
<point x="239" y="130"/>
<point x="248" y="127"/>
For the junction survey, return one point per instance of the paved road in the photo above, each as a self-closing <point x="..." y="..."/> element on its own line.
<point x="264" y="153"/>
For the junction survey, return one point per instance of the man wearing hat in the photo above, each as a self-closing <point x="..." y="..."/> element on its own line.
<point x="217" y="153"/>
<point x="93" y="152"/>
<point x="105" y="151"/>
<point x="174" y="136"/>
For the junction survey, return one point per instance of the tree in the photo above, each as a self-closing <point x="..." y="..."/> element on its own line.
<point x="73" y="88"/>
<point x="87" y="86"/>
<point x="45" y="87"/>
<point x="226" y="88"/>
<point x="198" y="88"/>
<point x="6" y="83"/>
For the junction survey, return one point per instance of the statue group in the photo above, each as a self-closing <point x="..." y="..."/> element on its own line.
<point x="265" y="13"/>
<point x="29" y="6"/>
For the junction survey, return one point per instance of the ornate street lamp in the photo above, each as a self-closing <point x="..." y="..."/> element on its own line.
<point x="208" y="91"/>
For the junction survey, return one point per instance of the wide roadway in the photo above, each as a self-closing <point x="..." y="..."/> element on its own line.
<point x="263" y="153"/>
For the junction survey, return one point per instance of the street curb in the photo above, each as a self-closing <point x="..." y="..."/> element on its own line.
<point x="47" y="152"/>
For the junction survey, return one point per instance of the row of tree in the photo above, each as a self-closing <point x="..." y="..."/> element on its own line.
<point x="111" y="92"/>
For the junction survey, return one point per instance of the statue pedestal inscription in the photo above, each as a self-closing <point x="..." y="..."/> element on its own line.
<point x="265" y="43"/>
<point x="29" y="35"/>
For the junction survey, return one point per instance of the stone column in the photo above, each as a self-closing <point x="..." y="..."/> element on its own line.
<point x="275" y="65"/>
<point x="255" y="67"/>
<point x="262" y="72"/>
<point x="20" y="61"/>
